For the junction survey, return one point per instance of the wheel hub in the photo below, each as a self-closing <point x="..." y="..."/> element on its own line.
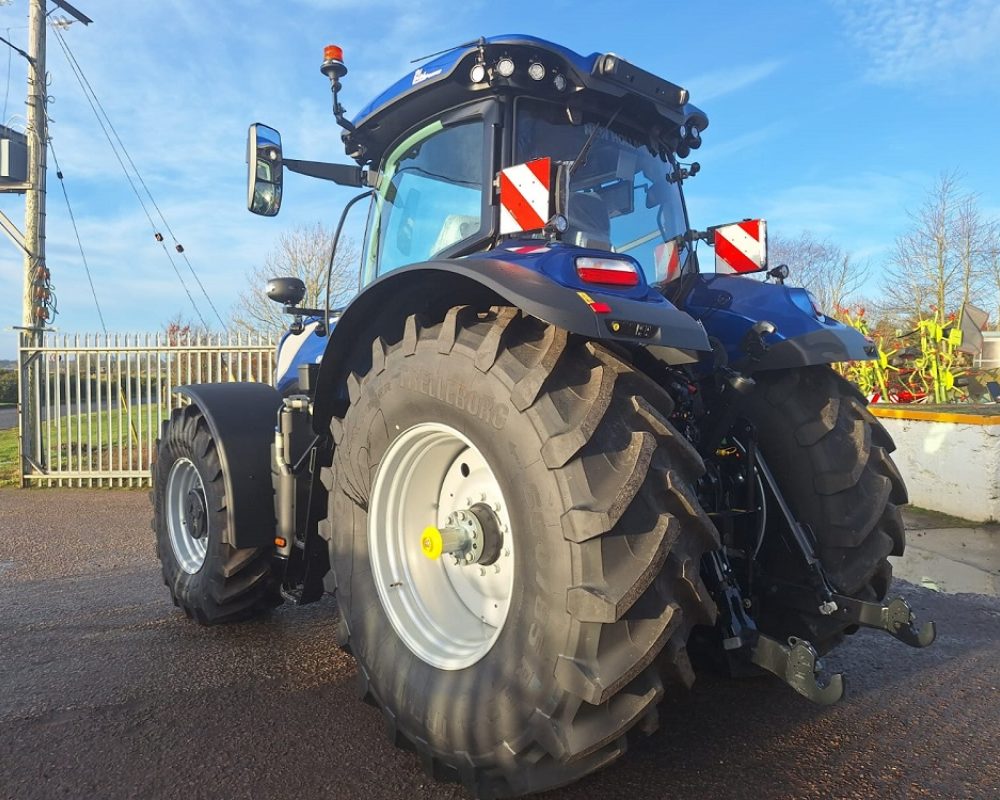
<point x="197" y="516"/>
<point x="187" y="515"/>
<point x="442" y="555"/>
<point x="470" y="537"/>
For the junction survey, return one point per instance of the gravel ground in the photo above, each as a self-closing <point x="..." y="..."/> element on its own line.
<point x="107" y="691"/>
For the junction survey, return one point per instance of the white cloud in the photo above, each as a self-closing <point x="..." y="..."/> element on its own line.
<point x="864" y="201"/>
<point x="713" y="152"/>
<point x="906" y="41"/>
<point x="710" y="85"/>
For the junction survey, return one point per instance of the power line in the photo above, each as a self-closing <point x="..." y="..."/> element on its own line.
<point x="177" y="245"/>
<point x="15" y="47"/>
<point x="107" y="128"/>
<point x="79" y="243"/>
<point x="131" y="183"/>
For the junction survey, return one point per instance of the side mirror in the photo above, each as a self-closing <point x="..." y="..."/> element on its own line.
<point x="740" y="247"/>
<point x="264" y="170"/>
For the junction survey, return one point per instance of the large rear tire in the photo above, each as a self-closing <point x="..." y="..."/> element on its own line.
<point x="605" y="538"/>
<point x="209" y="580"/>
<point x="830" y="457"/>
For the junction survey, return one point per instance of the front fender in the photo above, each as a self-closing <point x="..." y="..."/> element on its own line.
<point x="729" y="306"/>
<point x="432" y="287"/>
<point x="241" y="418"/>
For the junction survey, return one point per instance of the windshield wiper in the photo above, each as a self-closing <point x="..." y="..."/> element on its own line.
<point x="581" y="157"/>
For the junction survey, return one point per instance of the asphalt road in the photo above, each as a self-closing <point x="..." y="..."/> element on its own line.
<point x="107" y="691"/>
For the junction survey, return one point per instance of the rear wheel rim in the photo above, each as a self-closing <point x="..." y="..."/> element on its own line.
<point x="188" y="535"/>
<point x="449" y="615"/>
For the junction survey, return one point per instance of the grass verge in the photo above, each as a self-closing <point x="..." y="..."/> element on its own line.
<point x="81" y="447"/>
<point x="8" y="458"/>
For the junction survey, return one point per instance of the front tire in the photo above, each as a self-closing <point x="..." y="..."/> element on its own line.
<point x="208" y="579"/>
<point x="830" y="457"/>
<point x="605" y="543"/>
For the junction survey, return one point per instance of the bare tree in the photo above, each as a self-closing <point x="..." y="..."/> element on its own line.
<point x="303" y="252"/>
<point x="820" y="266"/>
<point x="942" y="260"/>
<point x="992" y="260"/>
<point x="181" y="329"/>
<point x="972" y="234"/>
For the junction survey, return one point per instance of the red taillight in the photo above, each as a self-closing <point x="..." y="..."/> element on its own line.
<point x="607" y="271"/>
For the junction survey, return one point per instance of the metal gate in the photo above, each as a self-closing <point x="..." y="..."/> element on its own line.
<point x="92" y="414"/>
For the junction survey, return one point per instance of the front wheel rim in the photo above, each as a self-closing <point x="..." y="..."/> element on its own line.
<point x="448" y="614"/>
<point x="188" y="536"/>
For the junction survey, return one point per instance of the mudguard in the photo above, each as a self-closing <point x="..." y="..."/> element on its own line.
<point x="729" y="306"/>
<point x="434" y="286"/>
<point x="241" y="417"/>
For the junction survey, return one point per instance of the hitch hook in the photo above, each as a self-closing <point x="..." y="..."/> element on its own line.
<point x="795" y="664"/>
<point x="897" y="619"/>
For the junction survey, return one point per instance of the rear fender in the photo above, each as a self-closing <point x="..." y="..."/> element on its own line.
<point x="432" y="287"/>
<point x="241" y="418"/>
<point x="729" y="306"/>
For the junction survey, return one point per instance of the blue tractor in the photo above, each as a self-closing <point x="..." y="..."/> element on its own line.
<point x="546" y="465"/>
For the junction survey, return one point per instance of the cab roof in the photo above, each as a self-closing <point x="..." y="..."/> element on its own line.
<point x="597" y="81"/>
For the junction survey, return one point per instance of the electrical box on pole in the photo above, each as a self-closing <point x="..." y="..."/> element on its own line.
<point x="13" y="156"/>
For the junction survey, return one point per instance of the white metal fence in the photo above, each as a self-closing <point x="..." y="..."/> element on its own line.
<point x="93" y="411"/>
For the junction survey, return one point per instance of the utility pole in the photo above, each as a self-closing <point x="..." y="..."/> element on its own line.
<point x="34" y="198"/>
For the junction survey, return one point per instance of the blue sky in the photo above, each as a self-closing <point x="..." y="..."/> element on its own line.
<point x="832" y="117"/>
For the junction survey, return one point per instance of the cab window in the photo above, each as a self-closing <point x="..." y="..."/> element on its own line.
<point x="430" y="197"/>
<point x="620" y="196"/>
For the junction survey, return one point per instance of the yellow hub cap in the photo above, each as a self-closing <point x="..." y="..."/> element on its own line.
<point x="431" y="543"/>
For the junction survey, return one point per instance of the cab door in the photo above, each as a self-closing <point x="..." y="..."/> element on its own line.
<point x="434" y="197"/>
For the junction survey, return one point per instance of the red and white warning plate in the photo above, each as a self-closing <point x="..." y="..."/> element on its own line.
<point x="741" y="246"/>
<point x="666" y="260"/>
<point x="526" y="196"/>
